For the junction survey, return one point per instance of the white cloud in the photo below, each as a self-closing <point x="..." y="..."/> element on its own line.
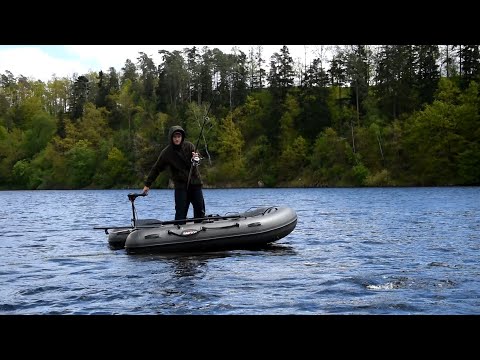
<point x="35" y="62"/>
<point x="106" y="56"/>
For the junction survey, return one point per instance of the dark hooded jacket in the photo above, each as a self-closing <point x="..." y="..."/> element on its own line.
<point x="178" y="160"/>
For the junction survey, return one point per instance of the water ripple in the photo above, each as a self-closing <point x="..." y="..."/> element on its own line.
<point x="354" y="251"/>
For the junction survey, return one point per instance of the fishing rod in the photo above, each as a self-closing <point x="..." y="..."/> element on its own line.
<point x="156" y="224"/>
<point x="196" y="159"/>
<point x="133" y="196"/>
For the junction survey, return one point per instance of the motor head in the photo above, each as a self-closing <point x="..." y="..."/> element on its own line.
<point x="133" y="196"/>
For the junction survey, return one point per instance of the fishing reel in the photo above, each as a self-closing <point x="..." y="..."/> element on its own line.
<point x="196" y="160"/>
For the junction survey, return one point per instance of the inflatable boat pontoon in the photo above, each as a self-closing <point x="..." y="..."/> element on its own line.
<point x="249" y="229"/>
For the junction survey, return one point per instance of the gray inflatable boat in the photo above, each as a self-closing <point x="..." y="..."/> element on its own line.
<point x="253" y="228"/>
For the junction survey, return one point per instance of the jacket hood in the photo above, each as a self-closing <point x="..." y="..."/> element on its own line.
<point x="174" y="129"/>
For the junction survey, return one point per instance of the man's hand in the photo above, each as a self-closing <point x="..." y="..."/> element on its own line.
<point x="146" y="190"/>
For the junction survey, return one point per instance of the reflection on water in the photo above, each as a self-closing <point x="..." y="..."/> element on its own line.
<point x="187" y="264"/>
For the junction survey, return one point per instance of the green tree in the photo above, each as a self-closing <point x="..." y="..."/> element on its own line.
<point x="470" y="70"/>
<point x="428" y="73"/>
<point x="261" y="162"/>
<point x="436" y="138"/>
<point x="40" y="131"/>
<point x="11" y="151"/>
<point x="115" y="169"/>
<point x="148" y="76"/>
<point x="57" y="94"/>
<point x="329" y="159"/>
<point x="256" y="72"/>
<point x="21" y="173"/>
<point x="395" y="79"/>
<point x="81" y="161"/>
<point x="79" y="97"/>
<point x="288" y="128"/>
<point x="173" y="85"/>
<point x="358" y="73"/>
<point x="293" y="159"/>
<point x="281" y="72"/>
<point x="92" y="126"/>
<point x="129" y="73"/>
<point x="48" y="170"/>
<point x="230" y="149"/>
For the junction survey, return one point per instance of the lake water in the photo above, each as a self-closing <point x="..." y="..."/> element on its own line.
<point x="354" y="251"/>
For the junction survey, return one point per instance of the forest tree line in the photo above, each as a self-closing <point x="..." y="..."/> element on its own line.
<point x="359" y="115"/>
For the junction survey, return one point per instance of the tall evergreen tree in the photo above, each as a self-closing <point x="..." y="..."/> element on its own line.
<point x="129" y="72"/>
<point x="193" y="70"/>
<point x="78" y="97"/>
<point x="428" y="74"/>
<point x="173" y="82"/>
<point x="100" y="100"/>
<point x="207" y="71"/>
<point x="315" y="76"/>
<point x="470" y="66"/>
<point x="358" y="71"/>
<point x="395" y="77"/>
<point x="148" y="77"/>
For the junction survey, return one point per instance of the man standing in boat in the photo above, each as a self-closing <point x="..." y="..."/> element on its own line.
<point x="181" y="158"/>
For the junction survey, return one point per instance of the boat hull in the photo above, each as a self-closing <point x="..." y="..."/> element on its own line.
<point x="118" y="236"/>
<point x="251" y="229"/>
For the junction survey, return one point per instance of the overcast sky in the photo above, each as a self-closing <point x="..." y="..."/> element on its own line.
<point x="41" y="62"/>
